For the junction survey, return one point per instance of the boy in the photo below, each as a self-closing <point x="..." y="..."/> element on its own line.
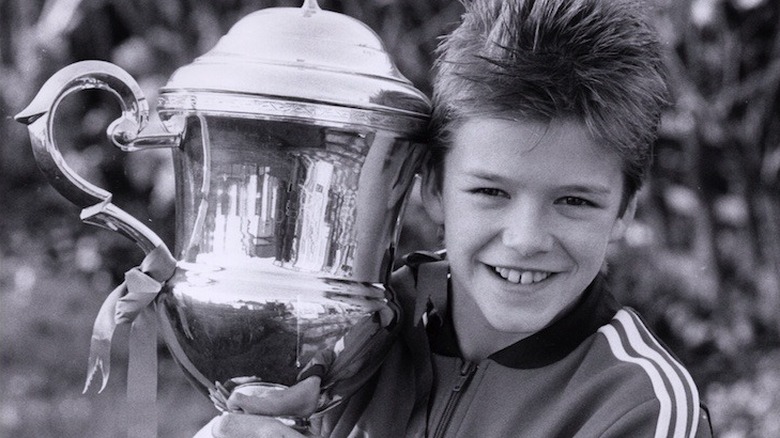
<point x="545" y="112"/>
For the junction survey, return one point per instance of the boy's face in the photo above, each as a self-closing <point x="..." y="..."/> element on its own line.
<point x="528" y="210"/>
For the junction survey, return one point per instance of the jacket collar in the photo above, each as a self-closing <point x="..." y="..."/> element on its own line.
<point x="595" y="308"/>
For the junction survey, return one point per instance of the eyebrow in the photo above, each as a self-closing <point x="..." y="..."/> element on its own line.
<point x="482" y="174"/>
<point x="597" y="189"/>
<point x="593" y="189"/>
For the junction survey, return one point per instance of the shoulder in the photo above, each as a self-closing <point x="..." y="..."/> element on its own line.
<point x="662" y="392"/>
<point x="429" y="268"/>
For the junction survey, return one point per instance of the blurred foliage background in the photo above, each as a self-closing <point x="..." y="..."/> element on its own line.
<point x="702" y="263"/>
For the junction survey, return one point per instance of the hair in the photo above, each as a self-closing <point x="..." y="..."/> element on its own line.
<point x="598" y="61"/>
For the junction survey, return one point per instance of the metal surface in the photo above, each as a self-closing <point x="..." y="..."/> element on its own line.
<point x="286" y="233"/>
<point x="39" y="116"/>
<point x="270" y="323"/>
<point x="304" y="54"/>
<point x="312" y="198"/>
<point x="295" y="142"/>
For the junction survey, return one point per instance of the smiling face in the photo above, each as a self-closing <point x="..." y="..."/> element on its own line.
<point x="528" y="210"/>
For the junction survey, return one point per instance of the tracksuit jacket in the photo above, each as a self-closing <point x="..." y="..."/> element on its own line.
<point x="597" y="371"/>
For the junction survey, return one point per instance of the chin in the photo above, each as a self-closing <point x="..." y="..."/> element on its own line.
<point x="518" y="323"/>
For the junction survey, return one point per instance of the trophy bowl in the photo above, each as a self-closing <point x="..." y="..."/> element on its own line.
<point x="295" y="142"/>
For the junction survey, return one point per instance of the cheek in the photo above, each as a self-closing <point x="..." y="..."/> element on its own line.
<point x="588" y="246"/>
<point x="468" y="227"/>
<point x="464" y="240"/>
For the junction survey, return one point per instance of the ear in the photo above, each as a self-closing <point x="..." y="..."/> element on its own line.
<point x="622" y="222"/>
<point x="430" y="192"/>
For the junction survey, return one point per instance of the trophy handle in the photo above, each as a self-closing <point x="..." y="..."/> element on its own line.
<point x="97" y="208"/>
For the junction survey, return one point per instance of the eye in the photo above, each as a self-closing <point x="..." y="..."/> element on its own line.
<point x="490" y="191"/>
<point x="575" y="201"/>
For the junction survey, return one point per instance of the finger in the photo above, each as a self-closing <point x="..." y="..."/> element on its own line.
<point x="240" y="402"/>
<point x="219" y="404"/>
<point x="213" y="392"/>
<point x="256" y="403"/>
<point x="217" y="397"/>
<point x="300" y="399"/>
<point x="225" y="393"/>
<point x="231" y="384"/>
<point x="244" y="379"/>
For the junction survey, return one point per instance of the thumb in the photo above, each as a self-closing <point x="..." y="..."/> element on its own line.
<point x="260" y="400"/>
<point x="238" y="402"/>
<point x="300" y="399"/>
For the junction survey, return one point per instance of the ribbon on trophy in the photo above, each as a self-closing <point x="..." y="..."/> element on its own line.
<point x="132" y="303"/>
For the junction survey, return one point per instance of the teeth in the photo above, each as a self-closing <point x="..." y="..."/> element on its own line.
<point x="522" y="277"/>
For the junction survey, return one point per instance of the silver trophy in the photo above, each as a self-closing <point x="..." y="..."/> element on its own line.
<point x="295" y="142"/>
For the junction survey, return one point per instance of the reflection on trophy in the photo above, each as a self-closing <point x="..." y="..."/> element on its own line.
<point x="295" y="142"/>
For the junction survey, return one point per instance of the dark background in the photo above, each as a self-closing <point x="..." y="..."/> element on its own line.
<point x="702" y="262"/>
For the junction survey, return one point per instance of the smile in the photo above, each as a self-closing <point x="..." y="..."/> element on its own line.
<point x="521" y="277"/>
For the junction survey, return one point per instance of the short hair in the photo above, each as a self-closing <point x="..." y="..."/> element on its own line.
<point x="599" y="61"/>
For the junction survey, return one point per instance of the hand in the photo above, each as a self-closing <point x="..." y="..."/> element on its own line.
<point x="220" y="393"/>
<point x="298" y="400"/>
<point x="230" y="425"/>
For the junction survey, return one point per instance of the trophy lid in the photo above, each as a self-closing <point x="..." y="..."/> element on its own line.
<point x="301" y="54"/>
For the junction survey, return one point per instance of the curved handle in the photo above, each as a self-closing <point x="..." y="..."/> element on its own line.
<point x="95" y="202"/>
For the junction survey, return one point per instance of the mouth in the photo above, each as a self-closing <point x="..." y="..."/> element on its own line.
<point x="517" y="276"/>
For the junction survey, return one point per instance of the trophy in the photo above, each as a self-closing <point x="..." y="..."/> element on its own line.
<point x="295" y="142"/>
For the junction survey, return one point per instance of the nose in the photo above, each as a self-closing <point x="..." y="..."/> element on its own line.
<point x="527" y="231"/>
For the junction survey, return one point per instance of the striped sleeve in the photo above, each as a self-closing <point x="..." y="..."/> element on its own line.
<point x="631" y="341"/>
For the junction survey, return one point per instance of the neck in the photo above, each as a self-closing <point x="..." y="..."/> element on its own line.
<point x="477" y="339"/>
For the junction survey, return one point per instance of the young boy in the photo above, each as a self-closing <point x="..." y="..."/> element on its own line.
<point x="546" y="112"/>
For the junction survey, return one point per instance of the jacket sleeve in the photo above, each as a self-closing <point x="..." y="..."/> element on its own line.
<point x="643" y="421"/>
<point x="705" y="424"/>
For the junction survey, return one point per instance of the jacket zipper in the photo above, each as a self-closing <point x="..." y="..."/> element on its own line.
<point x="466" y="373"/>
